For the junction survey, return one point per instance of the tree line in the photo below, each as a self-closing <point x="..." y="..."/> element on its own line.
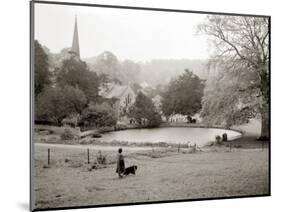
<point x="236" y="89"/>
<point x="70" y="95"/>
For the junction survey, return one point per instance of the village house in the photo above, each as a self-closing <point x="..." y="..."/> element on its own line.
<point x="177" y="118"/>
<point x="124" y="98"/>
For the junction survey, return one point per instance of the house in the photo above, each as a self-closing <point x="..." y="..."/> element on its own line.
<point x="124" y="98"/>
<point x="177" y="118"/>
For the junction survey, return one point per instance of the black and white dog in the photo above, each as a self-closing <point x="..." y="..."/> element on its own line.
<point x="130" y="170"/>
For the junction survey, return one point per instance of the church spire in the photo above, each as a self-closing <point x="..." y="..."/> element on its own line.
<point x="75" y="43"/>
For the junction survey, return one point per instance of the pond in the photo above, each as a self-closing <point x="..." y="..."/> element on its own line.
<point x="177" y="135"/>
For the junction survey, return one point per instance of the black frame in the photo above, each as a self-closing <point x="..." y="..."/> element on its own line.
<point x="32" y="2"/>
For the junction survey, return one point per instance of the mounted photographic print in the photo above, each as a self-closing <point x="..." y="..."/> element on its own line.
<point x="133" y="105"/>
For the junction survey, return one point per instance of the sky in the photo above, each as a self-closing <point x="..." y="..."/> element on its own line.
<point x="137" y="35"/>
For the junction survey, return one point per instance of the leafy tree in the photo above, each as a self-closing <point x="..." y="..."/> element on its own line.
<point x="76" y="74"/>
<point x="183" y="95"/>
<point x="144" y="109"/>
<point x="98" y="115"/>
<point x="154" y="120"/>
<point x="242" y="43"/>
<point x="55" y="104"/>
<point x="131" y="71"/>
<point x="71" y="120"/>
<point x="119" y="72"/>
<point x="159" y="71"/>
<point x="224" y="102"/>
<point x="74" y="98"/>
<point x="42" y="74"/>
<point x="107" y="63"/>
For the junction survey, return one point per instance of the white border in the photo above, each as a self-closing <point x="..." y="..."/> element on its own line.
<point x="14" y="87"/>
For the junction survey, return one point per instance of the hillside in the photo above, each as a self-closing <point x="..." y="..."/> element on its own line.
<point x="154" y="72"/>
<point x="161" y="71"/>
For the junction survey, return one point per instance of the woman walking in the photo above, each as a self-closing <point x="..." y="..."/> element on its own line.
<point x="120" y="163"/>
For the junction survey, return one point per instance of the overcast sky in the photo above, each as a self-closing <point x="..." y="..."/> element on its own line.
<point x="130" y="34"/>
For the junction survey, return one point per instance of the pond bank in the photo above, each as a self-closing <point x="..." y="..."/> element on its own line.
<point x="247" y="142"/>
<point x="157" y="137"/>
<point x="163" y="125"/>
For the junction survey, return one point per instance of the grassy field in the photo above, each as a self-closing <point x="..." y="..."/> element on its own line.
<point x="163" y="174"/>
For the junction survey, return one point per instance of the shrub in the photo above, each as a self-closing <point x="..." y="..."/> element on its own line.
<point x="218" y="139"/>
<point x="71" y="120"/>
<point x="98" y="115"/>
<point x="120" y="126"/>
<point x="154" y="120"/>
<point x="101" y="159"/>
<point x="67" y="134"/>
<point x="54" y="104"/>
<point x="193" y="148"/>
<point x="224" y="137"/>
<point x="262" y="138"/>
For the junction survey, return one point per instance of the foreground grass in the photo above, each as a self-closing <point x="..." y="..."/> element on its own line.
<point x="163" y="174"/>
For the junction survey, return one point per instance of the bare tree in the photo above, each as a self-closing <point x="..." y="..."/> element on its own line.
<point x="244" y="41"/>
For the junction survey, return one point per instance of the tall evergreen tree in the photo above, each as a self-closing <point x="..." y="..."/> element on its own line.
<point x="183" y="95"/>
<point x="144" y="111"/>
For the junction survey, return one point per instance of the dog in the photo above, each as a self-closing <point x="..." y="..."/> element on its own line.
<point x="130" y="170"/>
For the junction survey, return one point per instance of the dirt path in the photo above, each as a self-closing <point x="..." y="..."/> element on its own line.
<point x="93" y="147"/>
<point x="171" y="176"/>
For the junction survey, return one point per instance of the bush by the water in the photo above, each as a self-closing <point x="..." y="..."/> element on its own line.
<point x="98" y="115"/>
<point x="154" y="121"/>
<point x="218" y="139"/>
<point x="224" y="137"/>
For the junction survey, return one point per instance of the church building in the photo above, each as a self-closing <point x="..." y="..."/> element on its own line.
<point x="123" y="95"/>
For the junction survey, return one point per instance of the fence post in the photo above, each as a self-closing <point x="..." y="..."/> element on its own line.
<point x="262" y="145"/>
<point x="88" y="151"/>
<point x="48" y="156"/>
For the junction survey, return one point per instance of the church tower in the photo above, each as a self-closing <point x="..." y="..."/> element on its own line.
<point x="75" y="42"/>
